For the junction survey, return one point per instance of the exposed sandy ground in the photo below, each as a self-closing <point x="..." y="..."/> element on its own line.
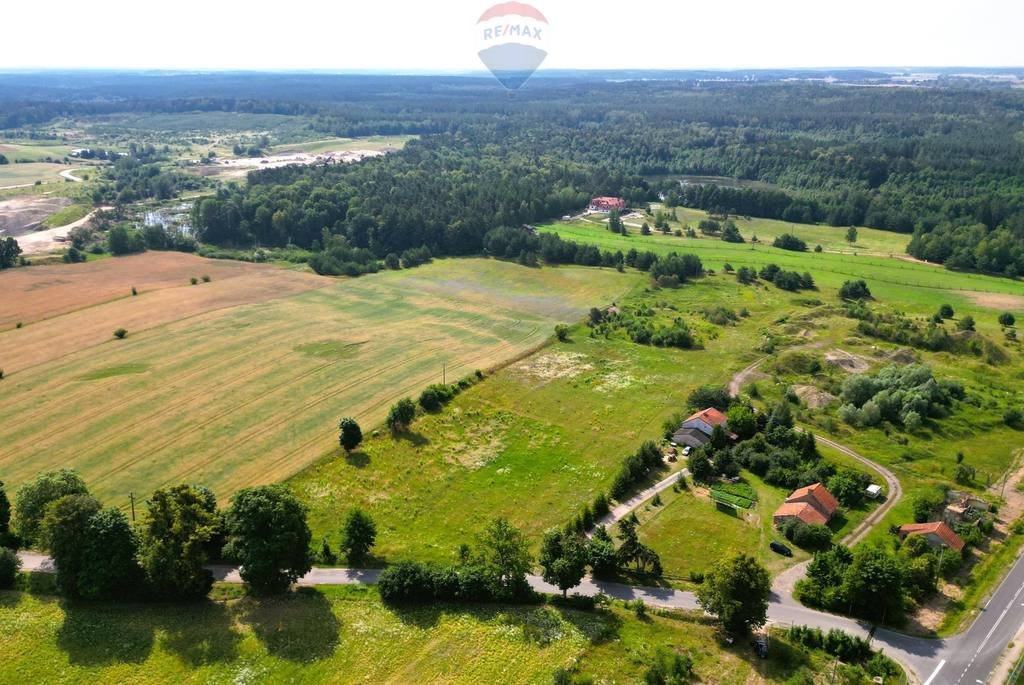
<point x="996" y="300"/>
<point x="68" y="174"/>
<point x="235" y="168"/>
<point x="40" y="292"/>
<point x="39" y="242"/>
<point x="813" y="397"/>
<point x="19" y="215"/>
<point x="847" y="362"/>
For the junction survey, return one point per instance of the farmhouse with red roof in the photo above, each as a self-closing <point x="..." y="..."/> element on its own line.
<point x="937" y="533"/>
<point x="605" y="205"/>
<point x="812" y="504"/>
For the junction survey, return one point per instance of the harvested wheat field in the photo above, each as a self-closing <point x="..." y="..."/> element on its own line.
<point x="44" y="291"/>
<point x="243" y="380"/>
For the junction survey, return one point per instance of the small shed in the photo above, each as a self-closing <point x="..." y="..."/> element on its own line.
<point x="873" y="491"/>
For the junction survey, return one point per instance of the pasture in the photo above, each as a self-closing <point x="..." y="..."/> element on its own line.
<point x="537" y="440"/>
<point x="14" y="175"/>
<point x="242" y="380"/>
<point x="919" y="288"/>
<point x="346" y="635"/>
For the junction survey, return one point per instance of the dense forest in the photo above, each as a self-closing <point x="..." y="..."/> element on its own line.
<point x="945" y="164"/>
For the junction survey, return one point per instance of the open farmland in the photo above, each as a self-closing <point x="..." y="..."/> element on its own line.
<point x="242" y="380"/>
<point x="919" y="287"/>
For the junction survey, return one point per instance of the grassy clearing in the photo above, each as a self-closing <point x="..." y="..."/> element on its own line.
<point x="33" y="151"/>
<point x="66" y="215"/>
<point x="234" y="393"/>
<point x="345" y="635"/>
<point x="336" y="144"/>
<point x="28" y="174"/>
<point x="918" y="288"/>
<point x="537" y="440"/>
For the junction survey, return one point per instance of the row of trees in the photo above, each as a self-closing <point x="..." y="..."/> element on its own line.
<point x="100" y="554"/>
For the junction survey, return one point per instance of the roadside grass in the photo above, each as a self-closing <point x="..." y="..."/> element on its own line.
<point x="66" y="215"/>
<point x="345" y="634"/>
<point x="229" y="393"/>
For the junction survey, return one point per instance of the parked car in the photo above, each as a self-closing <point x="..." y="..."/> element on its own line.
<point x="780" y="548"/>
<point x="687" y="450"/>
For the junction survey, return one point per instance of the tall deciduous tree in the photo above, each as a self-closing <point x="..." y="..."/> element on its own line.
<point x="64" y="529"/>
<point x="268" y="535"/>
<point x="176" y="530"/>
<point x="109" y="566"/>
<point x="504" y="557"/>
<point x="34" y="496"/>
<point x="736" y="590"/>
<point x="358" y="536"/>
<point x="563" y="556"/>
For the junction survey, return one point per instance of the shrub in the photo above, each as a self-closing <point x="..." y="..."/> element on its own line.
<point x="206" y="279"/>
<point x="561" y="332"/>
<point x="1007" y="319"/>
<point x="9" y="565"/>
<point x="1011" y="417"/>
<point x="193" y="280"/>
<point x="855" y="290"/>
<point x="788" y="241"/>
<point x="120" y="333"/>
<point x="435" y="396"/>
<point x="401" y="414"/>
<point x="966" y="323"/>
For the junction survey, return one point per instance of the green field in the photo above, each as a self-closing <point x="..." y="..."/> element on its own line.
<point x="918" y="288"/>
<point x="67" y="215"/>
<point x="27" y="174"/>
<point x="537" y="440"/>
<point x="334" y="144"/>
<point x="345" y="635"/>
<point x="33" y="151"/>
<point x="243" y="380"/>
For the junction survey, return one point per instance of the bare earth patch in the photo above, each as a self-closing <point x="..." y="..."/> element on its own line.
<point x="548" y="367"/>
<point x="996" y="300"/>
<point x="813" y="397"/>
<point x="850" y="363"/>
<point x="21" y="215"/>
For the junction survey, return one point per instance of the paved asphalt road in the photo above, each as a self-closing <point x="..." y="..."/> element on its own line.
<point x="966" y="658"/>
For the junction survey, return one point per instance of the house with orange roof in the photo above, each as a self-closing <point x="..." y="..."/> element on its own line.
<point x="937" y="533"/>
<point x="812" y="504"/>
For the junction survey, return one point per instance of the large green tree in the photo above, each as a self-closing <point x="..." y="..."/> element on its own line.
<point x="5" y="514"/>
<point x="563" y="557"/>
<point x="109" y="567"/>
<point x="268" y="536"/>
<point x="64" y="531"/>
<point x="873" y="584"/>
<point x="35" y="495"/>
<point x="349" y="434"/>
<point x="504" y="557"/>
<point x="736" y="591"/>
<point x="176" y="531"/>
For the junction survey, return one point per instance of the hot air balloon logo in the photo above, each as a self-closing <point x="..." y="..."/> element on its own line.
<point x="512" y="39"/>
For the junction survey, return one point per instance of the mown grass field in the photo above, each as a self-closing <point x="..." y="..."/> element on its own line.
<point x="33" y="150"/>
<point x="918" y="288"/>
<point x="334" y="144"/>
<point x="345" y="635"/>
<point x="243" y="380"/>
<point x="537" y="440"/>
<point x="27" y="174"/>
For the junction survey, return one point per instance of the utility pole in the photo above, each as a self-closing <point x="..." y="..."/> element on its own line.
<point x="131" y="496"/>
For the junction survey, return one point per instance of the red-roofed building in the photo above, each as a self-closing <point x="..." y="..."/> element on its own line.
<point x="937" y="533"/>
<point x="696" y="430"/>
<point x="605" y="205"/>
<point x="798" y="510"/>
<point x="810" y="504"/>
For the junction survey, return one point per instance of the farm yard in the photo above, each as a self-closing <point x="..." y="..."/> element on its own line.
<point x="241" y="380"/>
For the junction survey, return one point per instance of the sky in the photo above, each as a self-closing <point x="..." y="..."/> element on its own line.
<point x="388" y="35"/>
